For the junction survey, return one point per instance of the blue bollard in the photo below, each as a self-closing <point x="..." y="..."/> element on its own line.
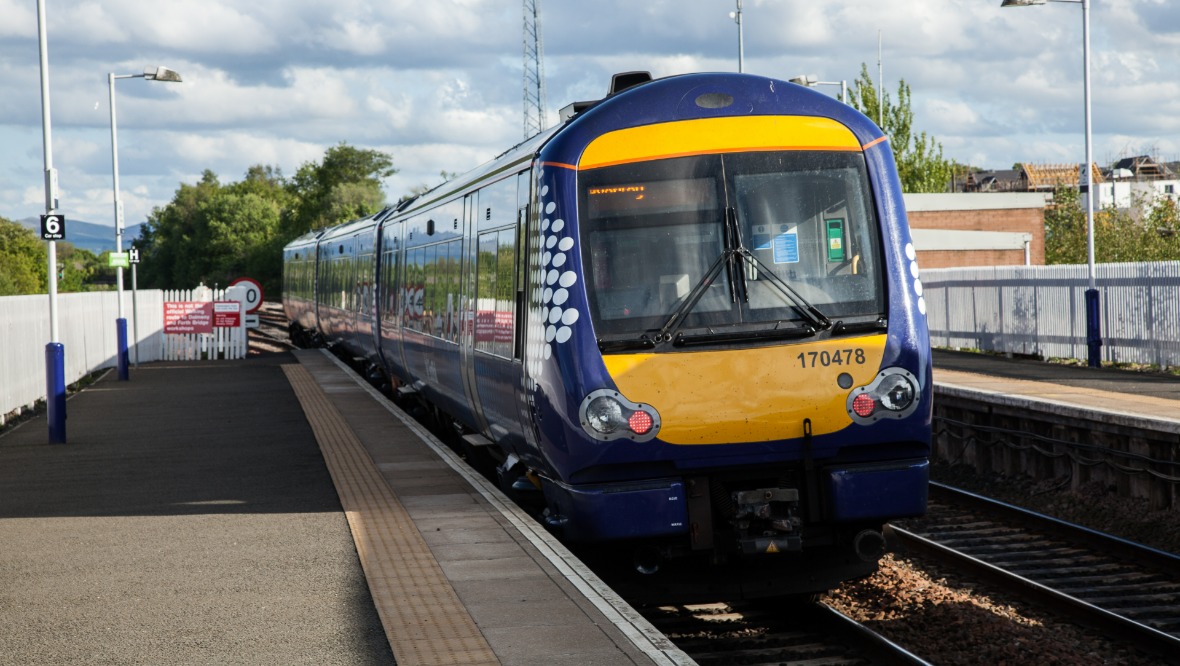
<point x="1093" y="329"/>
<point x="55" y="391"/>
<point x="121" y="326"/>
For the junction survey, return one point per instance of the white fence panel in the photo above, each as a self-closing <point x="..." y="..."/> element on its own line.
<point x="222" y="343"/>
<point x="86" y="328"/>
<point x="1041" y="310"/>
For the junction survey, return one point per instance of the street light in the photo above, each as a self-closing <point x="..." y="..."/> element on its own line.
<point x="1093" y="321"/>
<point x="810" y="81"/>
<point x="157" y="74"/>
<point x="737" y="18"/>
<point x="55" y="351"/>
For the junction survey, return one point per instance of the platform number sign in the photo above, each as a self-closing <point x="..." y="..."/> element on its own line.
<point x="53" y="227"/>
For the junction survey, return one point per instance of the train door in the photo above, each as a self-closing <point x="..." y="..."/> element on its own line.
<point x="468" y="310"/>
<point x="527" y="260"/>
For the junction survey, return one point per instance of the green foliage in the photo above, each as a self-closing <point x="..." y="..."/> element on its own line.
<point x="76" y="268"/>
<point x="345" y="186"/>
<point x="1148" y="231"/>
<point x="24" y="263"/>
<point x="920" y="164"/>
<point x="215" y="233"/>
<point x="1065" y="229"/>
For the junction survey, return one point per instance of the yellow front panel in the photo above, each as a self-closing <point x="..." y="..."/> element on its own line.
<point x="748" y="395"/>
<point x="717" y="135"/>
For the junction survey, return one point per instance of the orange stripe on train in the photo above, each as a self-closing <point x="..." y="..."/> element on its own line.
<point x="717" y="135"/>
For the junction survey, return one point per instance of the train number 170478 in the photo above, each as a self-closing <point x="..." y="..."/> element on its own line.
<point x="829" y="358"/>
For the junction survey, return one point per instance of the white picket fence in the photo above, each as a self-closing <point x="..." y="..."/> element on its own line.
<point x="1041" y="310"/>
<point x="221" y="344"/>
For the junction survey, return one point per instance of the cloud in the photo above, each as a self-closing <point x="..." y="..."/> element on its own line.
<point x="438" y="85"/>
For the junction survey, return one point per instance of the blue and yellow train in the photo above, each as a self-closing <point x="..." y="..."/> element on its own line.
<point x="689" y="316"/>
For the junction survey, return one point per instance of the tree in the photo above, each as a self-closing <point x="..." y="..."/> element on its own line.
<point x="920" y="164"/>
<point x="1149" y="230"/>
<point x="169" y="243"/>
<point x="24" y="265"/>
<point x="213" y="233"/>
<point x="345" y="186"/>
<point x="1065" y="228"/>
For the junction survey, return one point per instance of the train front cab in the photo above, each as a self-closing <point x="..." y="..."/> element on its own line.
<point x="760" y="382"/>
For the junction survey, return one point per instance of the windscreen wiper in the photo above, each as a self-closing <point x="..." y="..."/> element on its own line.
<point x="817" y="318"/>
<point x="695" y="295"/>
<point x="730" y="258"/>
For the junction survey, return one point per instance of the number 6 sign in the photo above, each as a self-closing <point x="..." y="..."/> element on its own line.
<point x="53" y="227"/>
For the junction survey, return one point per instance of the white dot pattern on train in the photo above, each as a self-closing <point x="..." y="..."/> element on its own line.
<point x="559" y="319"/>
<point x="912" y="255"/>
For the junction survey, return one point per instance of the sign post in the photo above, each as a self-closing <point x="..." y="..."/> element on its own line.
<point x="55" y="351"/>
<point x="249" y="292"/>
<point x="133" y="257"/>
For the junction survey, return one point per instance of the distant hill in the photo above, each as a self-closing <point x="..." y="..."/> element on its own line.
<point x="97" y="238"/>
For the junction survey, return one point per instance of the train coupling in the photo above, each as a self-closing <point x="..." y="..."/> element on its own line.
<point x="767" y="520"/>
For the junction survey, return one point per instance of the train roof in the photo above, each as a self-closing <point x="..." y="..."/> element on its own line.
<point x="629" y="100"/>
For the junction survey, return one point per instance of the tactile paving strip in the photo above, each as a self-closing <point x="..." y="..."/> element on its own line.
<point x="423" y="618"/>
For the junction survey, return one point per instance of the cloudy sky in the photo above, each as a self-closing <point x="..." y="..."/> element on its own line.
<point x="438" y="83"/>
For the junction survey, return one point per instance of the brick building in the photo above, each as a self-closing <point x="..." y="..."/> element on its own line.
<point x="978" y="229"/>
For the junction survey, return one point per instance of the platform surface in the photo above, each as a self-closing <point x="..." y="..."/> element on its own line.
<point x="1123" y="395"/>
<point x="192" y="518"/>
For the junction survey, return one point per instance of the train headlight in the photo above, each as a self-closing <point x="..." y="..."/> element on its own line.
<point x="893" y="394"/>
<point x="606" y="415"/>
<point x="897" y="392"/>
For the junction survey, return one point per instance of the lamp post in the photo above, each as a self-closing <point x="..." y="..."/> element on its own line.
<point x="737" y="18"/>
<point x="810" y="81"/>
<point x="1093" y="319"/>
<point x="55" y="351"/>
<point x="157" y="74"/>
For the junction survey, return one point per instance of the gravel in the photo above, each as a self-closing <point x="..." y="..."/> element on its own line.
<point x="947" y="618"/>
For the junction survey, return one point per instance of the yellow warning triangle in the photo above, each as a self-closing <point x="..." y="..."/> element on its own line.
<point x="772" y="548"/>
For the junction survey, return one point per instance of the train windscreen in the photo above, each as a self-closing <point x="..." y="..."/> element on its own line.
<point x="731" y="244"/>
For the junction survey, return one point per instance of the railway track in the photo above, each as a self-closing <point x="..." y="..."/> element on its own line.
<point x="1127" y="591"/>
<point x="766" y="632"/>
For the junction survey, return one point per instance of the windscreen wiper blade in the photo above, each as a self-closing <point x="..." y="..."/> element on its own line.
<point x="626" y="344"/>
<point x="695" y="295"/>
<point x="683" y="340"/>
<point x="809" y="311"/>
<point x="878" y="325"/>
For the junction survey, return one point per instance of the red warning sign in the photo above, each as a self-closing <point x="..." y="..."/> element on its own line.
<point x="188" y="317"/>
<point x="227" y="314"/>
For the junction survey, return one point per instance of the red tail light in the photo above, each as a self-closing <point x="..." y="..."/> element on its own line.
<point x="863" y="405"/>
<point x="640" y="422"/>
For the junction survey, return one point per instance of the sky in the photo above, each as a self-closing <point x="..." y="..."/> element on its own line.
<point x="438" y="84"/>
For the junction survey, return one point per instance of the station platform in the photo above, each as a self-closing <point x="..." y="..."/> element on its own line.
<point x="1149" y="401"/>
<point x="278" y="510"/>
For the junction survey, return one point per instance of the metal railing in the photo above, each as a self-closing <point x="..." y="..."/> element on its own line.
<point x="1040" y="310"/>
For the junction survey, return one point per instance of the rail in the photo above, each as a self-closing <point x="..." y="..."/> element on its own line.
<point x="1126" y="590"/>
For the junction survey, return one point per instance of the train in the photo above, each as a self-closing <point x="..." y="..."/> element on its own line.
<point x="687" y="320"/>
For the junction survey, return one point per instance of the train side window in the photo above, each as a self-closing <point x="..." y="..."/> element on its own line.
<point x="495" y="301"/>
<point x="414" y="284"/>
<point x="497" y="205"/>
<point x="505" y="293"/>
<point x="454" y="289"/>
